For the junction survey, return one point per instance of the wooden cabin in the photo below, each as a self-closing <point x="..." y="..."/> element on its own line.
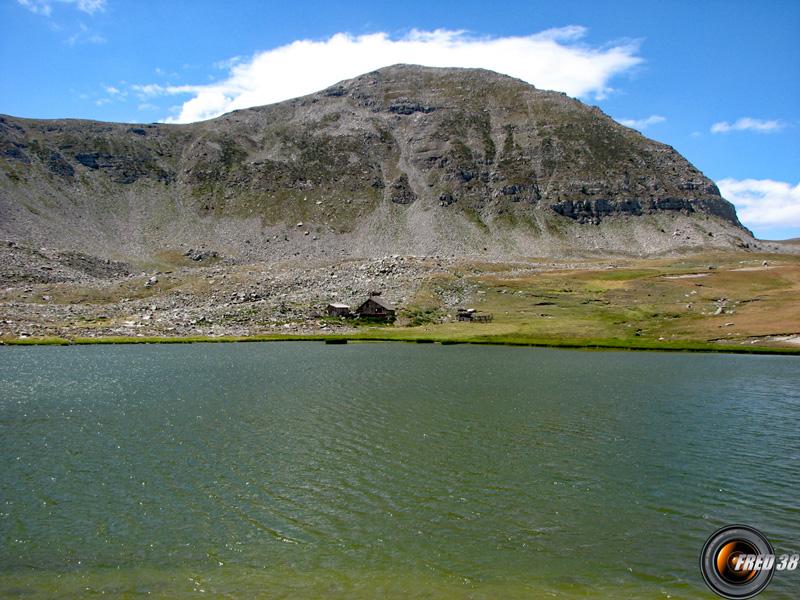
<point x="337" y="309"/>
<point x="470" y="314"/>
<point x="465" y="314"/>
<point x="376" y="308"/>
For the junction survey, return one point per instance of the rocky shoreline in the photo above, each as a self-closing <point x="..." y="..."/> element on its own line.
<point x="223" y="298"/>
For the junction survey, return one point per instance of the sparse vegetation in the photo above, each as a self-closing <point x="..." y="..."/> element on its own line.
<point x="674" y="304"/>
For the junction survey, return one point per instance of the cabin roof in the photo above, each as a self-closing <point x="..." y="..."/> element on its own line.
<point x="380" y="302"/>
<point x="339" y="305"/>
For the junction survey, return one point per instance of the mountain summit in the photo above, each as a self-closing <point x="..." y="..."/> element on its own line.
<point x="403" y="160"/>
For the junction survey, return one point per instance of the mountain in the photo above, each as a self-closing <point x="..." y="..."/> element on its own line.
<point x="405" y="160"/>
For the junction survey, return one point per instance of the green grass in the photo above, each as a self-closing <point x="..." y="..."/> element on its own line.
<point x="475" y="217"/>
<point x="421" y="315"/>
<point x="400" y="335"/>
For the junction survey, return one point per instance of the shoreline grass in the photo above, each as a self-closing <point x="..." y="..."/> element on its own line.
<point x="413" y="337"/>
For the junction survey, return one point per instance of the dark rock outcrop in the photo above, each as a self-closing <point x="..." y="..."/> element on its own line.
<point x="401" y="192"/>
<point x="58" y="165"/>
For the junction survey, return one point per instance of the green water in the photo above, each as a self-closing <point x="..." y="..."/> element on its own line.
<point x="295" y="470"/>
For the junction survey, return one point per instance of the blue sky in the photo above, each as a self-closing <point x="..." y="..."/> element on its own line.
<point x="717" y="80"/>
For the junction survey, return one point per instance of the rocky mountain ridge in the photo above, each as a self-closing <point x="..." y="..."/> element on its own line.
<point x="405" y="160"/>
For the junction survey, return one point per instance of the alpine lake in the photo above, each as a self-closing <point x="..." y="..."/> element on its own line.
<point x="387" y="470"/>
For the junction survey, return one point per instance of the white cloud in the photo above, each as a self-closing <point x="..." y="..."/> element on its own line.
<point x="642" y="124"/>
<point x="763" y="202"/>
<point x="91" y="6"/>
<point x="149" y="90"/>
<point x="113" y="94"/>
<point x="45" y="7"/>
<point x="84" y="35"/>
<point x="36" y="6"/>
<point x="81" y="35"/>
<point x="749" y="124"/>
<point x="553" y="59"/>
<point x="225" y="65"/>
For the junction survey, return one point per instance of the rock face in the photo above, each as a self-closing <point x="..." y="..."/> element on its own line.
<point x="404" y="160"/>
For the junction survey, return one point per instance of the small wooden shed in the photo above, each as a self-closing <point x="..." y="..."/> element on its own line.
<point x="470" y="314"/>
<point x="337" y="309"/>
<point x="376" y="307"/>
